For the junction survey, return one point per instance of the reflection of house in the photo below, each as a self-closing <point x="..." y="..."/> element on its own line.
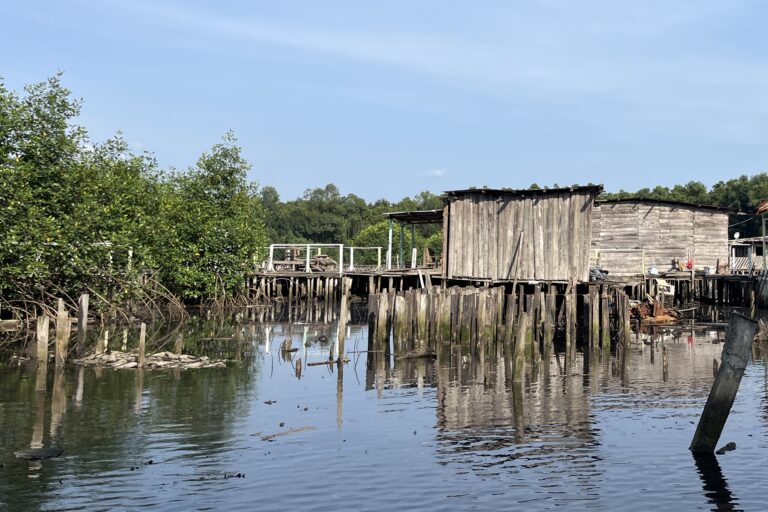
<point x="505" y="235"/>
<point x="631" y="235"/>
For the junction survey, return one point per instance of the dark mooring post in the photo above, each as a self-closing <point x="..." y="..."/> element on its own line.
<point x="738" y="342"/>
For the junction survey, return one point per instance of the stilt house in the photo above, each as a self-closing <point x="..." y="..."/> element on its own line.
<point x="632" y="235"/>
<point x="518" y="235"/>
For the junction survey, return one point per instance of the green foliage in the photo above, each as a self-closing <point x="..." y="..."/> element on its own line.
<point x="72" y="211"/>
<point x="214" y="218"/>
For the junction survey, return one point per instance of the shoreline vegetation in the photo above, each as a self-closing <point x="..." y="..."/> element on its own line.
<point x="147" y="243"/>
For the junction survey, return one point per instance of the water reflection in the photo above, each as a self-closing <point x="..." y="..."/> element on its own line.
<point x="714" y="483"/>
<point x="592" y="431"/>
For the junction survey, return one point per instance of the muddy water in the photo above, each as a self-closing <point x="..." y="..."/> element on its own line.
<point x="381" y="434"/>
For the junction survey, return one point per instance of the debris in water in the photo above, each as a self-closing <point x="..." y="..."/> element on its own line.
<point x="272" y="437"/>
<point x="39" y="453"/>
<point x="123" y="360"/>
<point x="270" y="402"/>
<point x="727" y="448"/>
<point x="419" y="354"/>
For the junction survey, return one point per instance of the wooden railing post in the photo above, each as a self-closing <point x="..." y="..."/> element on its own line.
<point x="270" y="267"/>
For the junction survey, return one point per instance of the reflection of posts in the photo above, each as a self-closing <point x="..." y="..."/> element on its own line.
<point x="58" y="401"/>
<point x="713" y="482"/>
<point x="39" y="425"/>
<point x="139" y="388"/>
<point x="517" y="410"/>
<point x="79" y="387"/>
<point x="736" y="351"/>
<point x="339" y="395"/>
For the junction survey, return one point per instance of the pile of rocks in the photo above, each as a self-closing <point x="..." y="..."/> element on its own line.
<point x="116" y="359"/>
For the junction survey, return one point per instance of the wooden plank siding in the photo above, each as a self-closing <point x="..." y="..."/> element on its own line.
<point x="483" y="229"/>
<point x="631" y="236"/>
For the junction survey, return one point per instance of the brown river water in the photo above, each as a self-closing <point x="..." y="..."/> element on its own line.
<point x="381" y="433"/>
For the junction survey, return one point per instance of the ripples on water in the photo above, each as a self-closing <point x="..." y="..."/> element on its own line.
<point x="382" y="434"/>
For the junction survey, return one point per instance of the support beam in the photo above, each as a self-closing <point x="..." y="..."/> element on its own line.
<point x="389" y="247"/>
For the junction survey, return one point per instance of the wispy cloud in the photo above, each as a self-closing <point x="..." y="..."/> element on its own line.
<point x="592" y="49"/>
<point x="436" y="173"/>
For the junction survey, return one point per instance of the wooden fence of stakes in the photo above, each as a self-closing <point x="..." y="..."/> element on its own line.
<point x="522" y="324"/>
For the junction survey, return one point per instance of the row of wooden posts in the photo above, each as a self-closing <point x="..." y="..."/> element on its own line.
<point x="418" y="319"/>
<point x="63" y="333"/>
<point x="712" y="289"/>
<point x="267" y="289"/>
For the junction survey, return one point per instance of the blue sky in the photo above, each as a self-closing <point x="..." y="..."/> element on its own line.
<point x="386" y="99"/>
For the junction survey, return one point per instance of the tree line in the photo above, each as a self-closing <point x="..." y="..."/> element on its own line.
<point x="80" y="215"/>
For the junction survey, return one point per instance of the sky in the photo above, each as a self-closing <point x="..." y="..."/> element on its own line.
<point x="388" y="99"/>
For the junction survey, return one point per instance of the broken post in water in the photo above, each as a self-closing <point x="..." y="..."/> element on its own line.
<point x="736" y="351"/>
<point x="63" y="330"/>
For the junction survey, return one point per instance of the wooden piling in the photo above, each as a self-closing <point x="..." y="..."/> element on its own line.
<point x="569" y="324"/>
<point x="509" y="319"/>
<point x="465" y="324"/>
<point x="400" y="317"/>
<point x="82" y="323"/>
<point x="594" y="328"/>
<point x="444" y="316"/>
<point x="101" y="345"/>
<point x="179" y="344"/>
<point x="142" y="344"/>
<point x="373" y="313"/>
<point x="605" y="323"/>
<point x="63" y="330"/>
<point x="382" y="323"/>
<point x="43" y="328"/>
<point x="549" y="322"/>
<point x="518" y="365"/>
<point x="422" y="327"/>
<point x="346" y="284"/>
<point x="736" y="350"/>
<point x="587" y="320"/>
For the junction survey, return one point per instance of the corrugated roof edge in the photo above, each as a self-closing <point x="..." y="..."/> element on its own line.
<point x="668" y="202"/>
<point x="522" y="192"/>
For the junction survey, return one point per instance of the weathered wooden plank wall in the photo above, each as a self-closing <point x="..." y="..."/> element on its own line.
<point x="544" y="236"/>
<point x="630" y="237"/>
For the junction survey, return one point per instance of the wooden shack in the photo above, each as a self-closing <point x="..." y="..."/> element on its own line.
<point x="523" y="235"/>
<point x="632" y="235"/>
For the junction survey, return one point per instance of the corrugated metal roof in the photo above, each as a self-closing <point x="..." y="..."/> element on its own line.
<point x="523" y="192"/>
<point x="417" y="216"/>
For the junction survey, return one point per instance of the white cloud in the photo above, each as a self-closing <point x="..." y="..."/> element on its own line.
<point x="436" y="173"/>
